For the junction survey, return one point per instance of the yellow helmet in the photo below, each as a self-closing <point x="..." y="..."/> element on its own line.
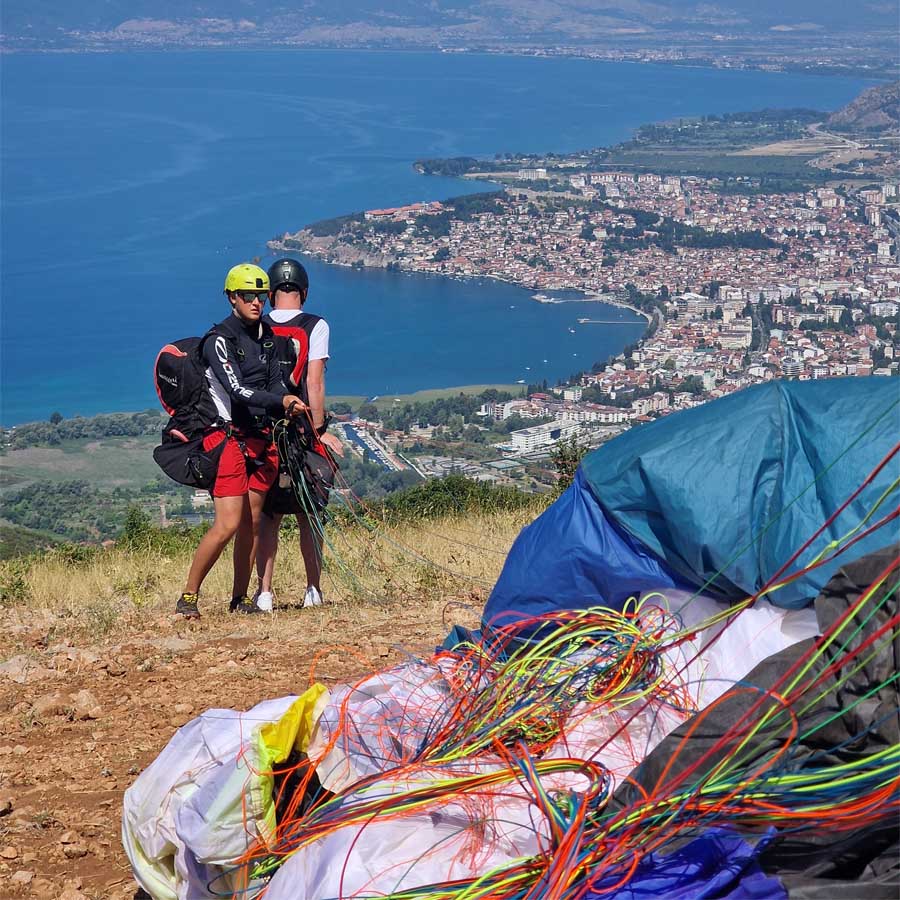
<point x="246" y="277"/>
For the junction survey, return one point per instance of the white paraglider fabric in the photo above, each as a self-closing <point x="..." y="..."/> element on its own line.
<point x="182" y="821"/>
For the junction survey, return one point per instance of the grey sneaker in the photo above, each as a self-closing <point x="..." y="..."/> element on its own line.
<point x="243" y="605"/>
<point x="187" y="606"/>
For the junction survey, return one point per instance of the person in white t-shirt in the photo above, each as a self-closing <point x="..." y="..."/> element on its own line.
<point x="309" y="334"/>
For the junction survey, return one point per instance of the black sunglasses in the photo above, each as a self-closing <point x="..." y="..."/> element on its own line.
<point x="250" y="296"/>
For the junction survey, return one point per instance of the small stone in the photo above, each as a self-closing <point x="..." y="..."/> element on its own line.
<point x="23" y="876"/>
<point x="9" y="853"/>
<point x="69" y="837"/>
<point x="82" y="657"/>
<point x="175" y="644"/>
<point x="43" y="889"/>
<point x="20" y="750"/>
<point x="6" y="807"/>
<point x="75" y="851"/>
<point x="231" y="664"/>
<point x="182" y="708"/>
<point x="50" y="705"/>
<point x="72" y="893"/>
<point x="86" y="705"/>
<point x="21" y="669"/>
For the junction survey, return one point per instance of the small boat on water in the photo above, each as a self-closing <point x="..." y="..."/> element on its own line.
<point x="571" y="331"/>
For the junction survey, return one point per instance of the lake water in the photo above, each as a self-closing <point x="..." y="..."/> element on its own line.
<point x="132" y="182"/>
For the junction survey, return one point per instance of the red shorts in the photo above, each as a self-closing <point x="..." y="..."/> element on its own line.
<point x="232" y="478"/>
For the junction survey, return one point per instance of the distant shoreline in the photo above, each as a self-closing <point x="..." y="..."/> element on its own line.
<point x="587" y="297"/>
<point x="887" y="72"/>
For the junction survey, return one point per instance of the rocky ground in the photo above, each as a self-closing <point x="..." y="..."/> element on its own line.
<point x="80" y="721"/>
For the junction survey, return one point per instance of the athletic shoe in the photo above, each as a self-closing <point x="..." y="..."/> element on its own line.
<point x="263" y="600"/>
<point x="243" y="605"/>
<point x="312" y="598"/>
<point x="187" y="606"/>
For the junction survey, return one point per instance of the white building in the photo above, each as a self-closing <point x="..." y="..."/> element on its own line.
<point x="537" y="174"/>
<point x="593" y="412"/>
<point x="885" y="309"/>
<point x="526" y="439"/>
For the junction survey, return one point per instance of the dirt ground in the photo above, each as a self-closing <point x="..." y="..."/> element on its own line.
<point x="79" y="723"/>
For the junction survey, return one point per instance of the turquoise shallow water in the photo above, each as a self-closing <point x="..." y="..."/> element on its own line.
<point x="131" y="182"/>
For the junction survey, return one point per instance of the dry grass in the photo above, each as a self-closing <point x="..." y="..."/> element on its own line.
<point x="367" y="574"/>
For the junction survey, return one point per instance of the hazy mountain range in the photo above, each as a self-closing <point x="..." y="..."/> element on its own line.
<point x="452" y="21"/>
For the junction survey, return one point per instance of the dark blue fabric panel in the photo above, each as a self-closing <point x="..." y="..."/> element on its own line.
<point x="573" y="557"/>
<point x="727" y="491"/>
<point x="715" y="865"/>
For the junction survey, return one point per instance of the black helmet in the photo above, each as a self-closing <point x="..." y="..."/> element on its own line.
<point x="287" y="271"/>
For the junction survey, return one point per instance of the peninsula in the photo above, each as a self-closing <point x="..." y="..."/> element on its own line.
<point x="782" y="262"/>
<point x="787" y="203"/>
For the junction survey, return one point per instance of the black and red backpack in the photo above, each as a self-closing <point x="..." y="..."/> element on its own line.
<point x="179" y="376"/>
<point x="292" y="343"/>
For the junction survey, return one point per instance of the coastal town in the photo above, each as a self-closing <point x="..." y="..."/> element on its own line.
<point x="737" y="287"/>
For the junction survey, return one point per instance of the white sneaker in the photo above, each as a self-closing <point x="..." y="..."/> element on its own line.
<point x="312" y="598"/>
<point x="263" y="600"/>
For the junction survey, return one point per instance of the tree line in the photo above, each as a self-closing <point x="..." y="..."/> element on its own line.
<point x="442" y="411"/>
<point x="58" y="429"/>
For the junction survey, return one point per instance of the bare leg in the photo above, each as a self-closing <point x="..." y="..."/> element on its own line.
<point x="267" y="550"/>
<point x="229" y="512"/>
<point x="311" y="549"/>
<point x="245" y="542"/>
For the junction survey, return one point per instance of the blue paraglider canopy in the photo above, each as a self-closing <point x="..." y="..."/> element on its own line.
<point x="718" y="498"/>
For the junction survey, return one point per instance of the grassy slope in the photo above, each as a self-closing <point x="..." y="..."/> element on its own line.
<point x="18" y="541"/>
<point x="91" y="593"/>
<point x="105" y="462"/>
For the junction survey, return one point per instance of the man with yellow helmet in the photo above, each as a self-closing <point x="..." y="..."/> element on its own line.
<point x="245" y="383"/>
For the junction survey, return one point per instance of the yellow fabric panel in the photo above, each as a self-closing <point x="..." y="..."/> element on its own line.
<point x="274" y="743"/>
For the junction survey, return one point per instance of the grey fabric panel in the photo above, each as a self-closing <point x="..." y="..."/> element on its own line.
<point x="861" y="865"/>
